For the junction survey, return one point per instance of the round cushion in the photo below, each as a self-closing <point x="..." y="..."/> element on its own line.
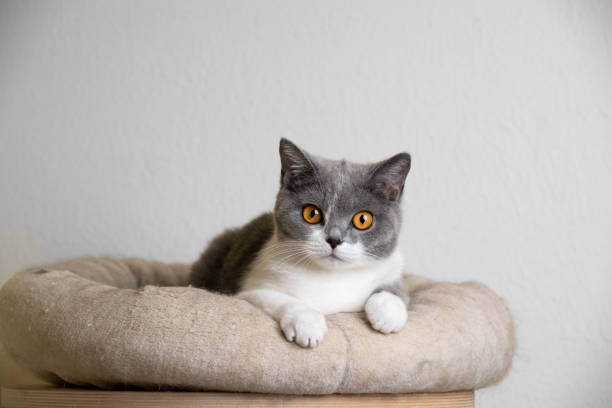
<point x="135" y="323"/>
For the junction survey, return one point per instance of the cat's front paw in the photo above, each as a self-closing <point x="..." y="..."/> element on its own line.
<point x="304" y="326"/>
<point x="386" y="312"/>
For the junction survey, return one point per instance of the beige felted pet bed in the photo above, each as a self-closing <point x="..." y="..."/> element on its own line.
<point x="129" y="322"/>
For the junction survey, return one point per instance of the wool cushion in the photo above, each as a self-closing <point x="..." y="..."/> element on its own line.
<point x="113" y="323"/>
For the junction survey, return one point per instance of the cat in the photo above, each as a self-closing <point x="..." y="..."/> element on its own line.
<point x="329" y="246"/>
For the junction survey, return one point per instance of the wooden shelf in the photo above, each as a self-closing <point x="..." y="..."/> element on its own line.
<point x="50" y="397"/>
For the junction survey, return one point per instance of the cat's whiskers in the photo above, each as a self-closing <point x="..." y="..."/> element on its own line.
<point x="284" y="251"/>
<point x="304" y="251"/>
<point x="289" y="244"/>
<point x="371" y="257"/>
<point x="290" y="248"/>
<point x="307" y="259"/>
<point x="294" y="254"/>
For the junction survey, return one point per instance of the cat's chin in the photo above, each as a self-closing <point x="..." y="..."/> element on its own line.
<point x="333" y="261"/>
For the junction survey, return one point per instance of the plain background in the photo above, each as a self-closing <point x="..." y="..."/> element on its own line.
<point x="145" y="128"/>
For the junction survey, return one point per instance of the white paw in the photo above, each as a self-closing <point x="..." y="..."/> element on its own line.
<point x="304" y="326"/>
<point x="386" y="312"/>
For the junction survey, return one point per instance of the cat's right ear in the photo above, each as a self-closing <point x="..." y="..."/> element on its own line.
<point x="296" y="167"/>
<point x="388" y="177"/>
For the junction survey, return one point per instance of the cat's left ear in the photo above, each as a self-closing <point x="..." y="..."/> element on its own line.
<point x="388" y="177"/>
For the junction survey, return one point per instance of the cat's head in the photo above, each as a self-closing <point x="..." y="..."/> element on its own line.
<point x="338" y="214"/>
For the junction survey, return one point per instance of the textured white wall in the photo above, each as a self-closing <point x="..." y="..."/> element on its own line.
<point x="144" y="128"/>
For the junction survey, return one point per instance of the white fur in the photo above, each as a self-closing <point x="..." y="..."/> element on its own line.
<point x="386" y="312"/>
<point x="304" y="326"/>
<point x="298" y="285"/>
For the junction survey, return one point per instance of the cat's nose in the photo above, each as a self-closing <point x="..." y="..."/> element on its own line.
<point x="333" y="241"/>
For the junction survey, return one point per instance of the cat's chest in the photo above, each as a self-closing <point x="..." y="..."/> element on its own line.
<point x="332" y="292"/>
<point x="328" y="291"/>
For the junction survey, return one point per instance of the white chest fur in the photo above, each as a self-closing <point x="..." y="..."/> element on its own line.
<point x="328" y="290"/>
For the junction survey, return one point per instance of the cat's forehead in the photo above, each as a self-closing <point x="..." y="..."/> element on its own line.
<point x="341" y="185"/>
<point x="339" y="175"/>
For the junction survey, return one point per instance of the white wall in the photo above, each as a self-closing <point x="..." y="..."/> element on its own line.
<point x="144" y="128"/>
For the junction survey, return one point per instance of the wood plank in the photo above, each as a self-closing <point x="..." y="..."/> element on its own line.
<point x="50" y="397"/>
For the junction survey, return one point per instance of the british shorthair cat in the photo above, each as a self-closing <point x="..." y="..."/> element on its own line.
<point x="329" y="246"/>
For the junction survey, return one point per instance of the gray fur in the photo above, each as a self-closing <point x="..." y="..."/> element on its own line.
<point x="339" y="188"/>
<point x="227" y="258"/>
<point x="397" y="288"/>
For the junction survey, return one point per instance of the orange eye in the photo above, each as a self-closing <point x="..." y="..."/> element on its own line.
<point x="362" y="220"/>
<point x="311" y="214"/>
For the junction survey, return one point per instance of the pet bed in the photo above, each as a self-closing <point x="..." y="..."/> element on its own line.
<point x="115" y="323"/>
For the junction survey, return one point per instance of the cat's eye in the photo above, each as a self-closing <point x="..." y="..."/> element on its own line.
<point x="363" y="220"/>
<point x="311" y="214"/>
